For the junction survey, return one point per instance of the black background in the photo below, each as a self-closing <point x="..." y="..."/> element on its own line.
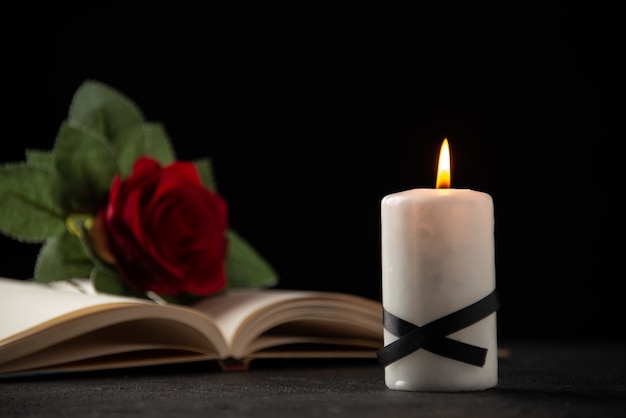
<point x="311" y="114"/>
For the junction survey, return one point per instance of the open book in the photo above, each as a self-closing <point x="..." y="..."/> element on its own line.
<point x="62" y="327"/>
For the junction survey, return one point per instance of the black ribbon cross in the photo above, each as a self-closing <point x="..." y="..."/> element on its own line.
<point x="433" y="336"/>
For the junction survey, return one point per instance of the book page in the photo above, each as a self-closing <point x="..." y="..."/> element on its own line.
<point x="61" y="326"/>
<point x="230" y="309"/>
<point x="245" y="314"/>
<point x="29" y="304"/>
<point x="58" y="326"/>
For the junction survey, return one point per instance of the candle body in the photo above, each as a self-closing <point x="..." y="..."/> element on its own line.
<point x="438" y="257"/>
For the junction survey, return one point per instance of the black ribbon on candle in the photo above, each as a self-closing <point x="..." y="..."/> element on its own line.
<point x="433" y="336"/>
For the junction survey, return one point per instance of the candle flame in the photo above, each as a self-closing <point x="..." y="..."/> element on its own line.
<point x="443" y="169"/>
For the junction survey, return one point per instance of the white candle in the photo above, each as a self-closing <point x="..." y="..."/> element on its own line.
<point x="437" y="258"/>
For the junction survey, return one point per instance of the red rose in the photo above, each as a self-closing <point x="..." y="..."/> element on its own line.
<point x="166" y="230"/>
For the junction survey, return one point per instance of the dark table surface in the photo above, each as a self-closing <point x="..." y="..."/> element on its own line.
<point x="537" y="379"/>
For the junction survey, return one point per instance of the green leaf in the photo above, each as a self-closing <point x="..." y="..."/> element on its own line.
<point x="86" y="164"/>
<point x="133" y="147"/>
<point x="104" y="109"/>
<point x="149" y="139"/>
<point x="40" y="158"/>
<point x="158" y="143"/>
<point x="245" y="267"/>
<point x="107" y="282"/>
<point x="62" y="258"/>
<point x="104" y="276"/>
<point x="33" y="202"/>
<point x="77" y="224"/>
<point x="205" y="170"/>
